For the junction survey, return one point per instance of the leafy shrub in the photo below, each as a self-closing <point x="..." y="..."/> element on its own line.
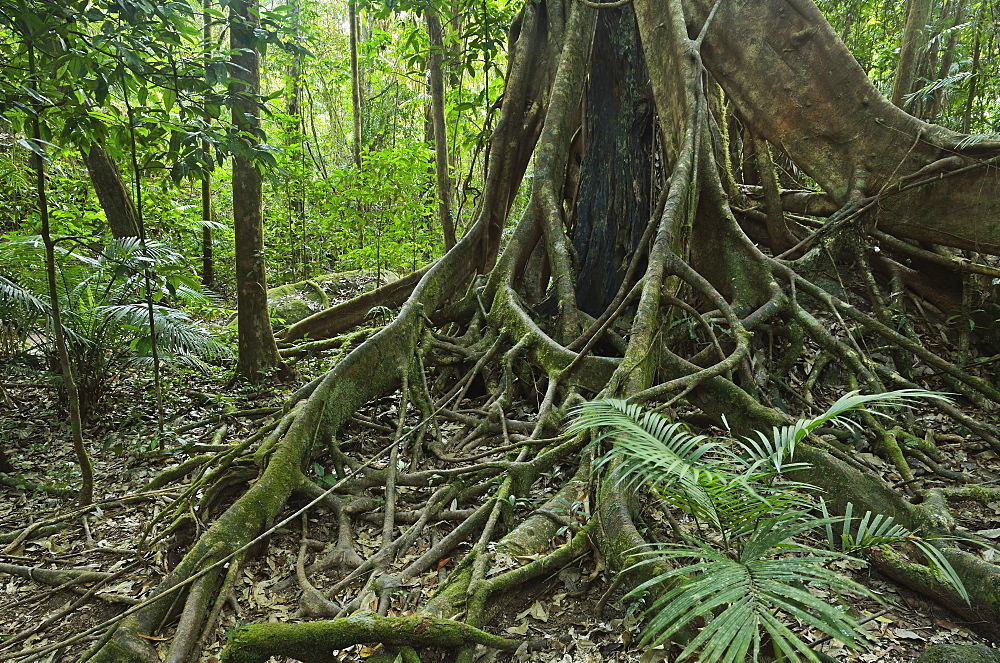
<point x="745" y="571"/>
<point x="105" y="317"/>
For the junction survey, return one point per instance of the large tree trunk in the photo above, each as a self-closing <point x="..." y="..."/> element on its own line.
<point x="616" y="182"/>
<point x="786" y="71"/>
<point x="258" y="353"/>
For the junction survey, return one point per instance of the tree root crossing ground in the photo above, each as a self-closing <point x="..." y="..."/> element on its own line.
<point x="656" y="275"/>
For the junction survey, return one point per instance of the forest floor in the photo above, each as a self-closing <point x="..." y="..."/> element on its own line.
<point x="563" y="609"/>
<point x="578" y="611"/>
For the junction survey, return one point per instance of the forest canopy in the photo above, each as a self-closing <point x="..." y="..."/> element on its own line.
<point x="390" y="330"/>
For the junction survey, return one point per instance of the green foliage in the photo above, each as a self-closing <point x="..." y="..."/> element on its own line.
<point x="956" y="62"/>
<point x="745" y="570"/>
<point x="880" y="530"/>
<point x="380" y="217"/>
<point x="114" y="72"/>
<point x="101" y="299"/>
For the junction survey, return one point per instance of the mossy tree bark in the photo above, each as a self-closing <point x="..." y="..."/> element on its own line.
<point x="695" y="311"/>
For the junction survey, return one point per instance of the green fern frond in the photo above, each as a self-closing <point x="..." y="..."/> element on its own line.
<point x="12" y="294"/>
<point x="875" y="529"/>
<point x="176" y="333"/>
<point x="665" y="455"/>
<point x="740" y="601"/>
<point x="780" y="445"/>
<point x="745" y="592"/>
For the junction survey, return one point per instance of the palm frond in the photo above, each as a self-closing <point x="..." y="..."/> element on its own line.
<point x="746" y="592"/>
<point x="742" y="600"/>
<point x="875" y="529"/>
<point x="665" y="455"/>
<point x="176" y="333"/>
<point x="780" y="445"/>
<point x="133" y="253"/>
<point x="13" y="294"/>
<point x="976" y="139"/>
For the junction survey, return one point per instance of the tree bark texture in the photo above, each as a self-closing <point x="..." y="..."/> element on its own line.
<point x="257" y="350"/>
<point x="616" y="178"/>
<point x="799" y="87"/>
<point x="912" y="45"/>
<point x="112" y="192"/>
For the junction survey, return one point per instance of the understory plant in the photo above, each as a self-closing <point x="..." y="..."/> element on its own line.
<point x="107" y="323"/>
<point x="757" y="549"/>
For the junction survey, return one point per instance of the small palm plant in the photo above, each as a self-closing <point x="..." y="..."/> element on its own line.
<point x="743" y="572"/>
<point x="105" y="320"/>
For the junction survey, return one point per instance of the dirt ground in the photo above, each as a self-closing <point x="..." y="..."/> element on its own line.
<point x="568" y="610"/>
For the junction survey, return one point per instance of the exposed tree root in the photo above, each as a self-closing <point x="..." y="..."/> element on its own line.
<point x="844" y="484"/>
<point x="314" y="641"/>
<point x="490" y="351"/>
<point x="56" y="577"/>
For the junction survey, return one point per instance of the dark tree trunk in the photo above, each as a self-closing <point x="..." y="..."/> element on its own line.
<point x="207" y="252"/>
<point x="112" y="192"/>
<point x="257" y="350"/>
<point x="613" y="204"/>
<point x="352" y="8"/>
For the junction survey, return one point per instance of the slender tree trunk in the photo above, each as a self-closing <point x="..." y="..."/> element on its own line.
<point x="440" y="129"/>
<point x="207" y="215"/>
<point x="147" y="269"/>
<point x="352" y="8"/>
<point x="912" y="45"/>
<point x="112" y="192"/>
<point x="257" y="350"/>
<point x="207" y="258"/>
<point x="970" y="98"/>
<point x="951" y="17"/>
<point x="72" y="393"/>
<point x="296" y="132"/>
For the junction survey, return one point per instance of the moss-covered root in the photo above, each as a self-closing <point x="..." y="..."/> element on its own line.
<point x="867" y="492"/>
<point x="959" y="654"/>
<point x="981" y="580"/>
<point x="54" y="577"/>
<point x="316" y="641"/>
